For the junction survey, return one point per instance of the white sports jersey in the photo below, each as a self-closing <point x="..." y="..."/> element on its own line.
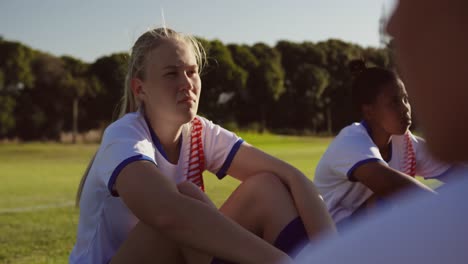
<point x="353" y="147"/>
<point x="105" y="220"/>
<point x="421" y="229"/>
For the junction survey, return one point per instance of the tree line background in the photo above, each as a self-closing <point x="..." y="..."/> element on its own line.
<point x="291" y="88"/>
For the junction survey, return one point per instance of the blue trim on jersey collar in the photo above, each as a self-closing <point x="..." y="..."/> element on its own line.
<point x="366" y="126"/>
<point x="390" y="154"/>
<point x="156" y="141"/>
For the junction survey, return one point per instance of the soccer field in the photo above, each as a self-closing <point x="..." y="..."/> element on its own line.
<point x="38" y="184"/>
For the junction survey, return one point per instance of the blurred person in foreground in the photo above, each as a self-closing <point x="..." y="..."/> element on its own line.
<point x="431" y="46"/>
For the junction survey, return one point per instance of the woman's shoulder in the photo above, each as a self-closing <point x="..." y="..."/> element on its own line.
<point x="355" y="133"/>
<point x="351" y="140"/>
<point x="354" y="128"/>
<point x="131" y="125"/>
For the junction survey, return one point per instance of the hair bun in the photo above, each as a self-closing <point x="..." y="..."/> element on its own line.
<point x="357" y="67"/>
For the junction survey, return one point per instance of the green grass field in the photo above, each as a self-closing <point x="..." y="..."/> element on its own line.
<point x="38" y="183"/>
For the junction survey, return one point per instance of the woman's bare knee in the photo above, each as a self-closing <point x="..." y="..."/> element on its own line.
<point x="264" y="181"/>
<point x="264" y="188"/>
<point x="261" y="204"/>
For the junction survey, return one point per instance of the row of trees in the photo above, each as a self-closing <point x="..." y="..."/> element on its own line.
<point x="288" y="88"/>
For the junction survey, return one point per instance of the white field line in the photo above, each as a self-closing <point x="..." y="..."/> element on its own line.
<point x="36" y="208"/>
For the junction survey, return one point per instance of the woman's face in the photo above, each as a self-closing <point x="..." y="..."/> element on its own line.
<point x="431" y="40"/>
<point x="171" y="87"/>
<point x="390" y="111"/>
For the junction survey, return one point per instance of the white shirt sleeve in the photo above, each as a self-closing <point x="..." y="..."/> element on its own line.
<point x="220" y="147"/>
<point x="426" y="165"/>
<point x="351" y="150"/>
<point x="121" y="145"/>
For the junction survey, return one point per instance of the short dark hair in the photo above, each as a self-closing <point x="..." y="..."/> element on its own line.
<point x="368" y="82"/>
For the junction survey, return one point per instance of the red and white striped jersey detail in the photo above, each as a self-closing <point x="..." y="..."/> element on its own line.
<point x="409" y="164"/>
<point x="196" y="160"/>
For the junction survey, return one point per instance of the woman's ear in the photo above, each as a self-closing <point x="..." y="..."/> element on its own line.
<point x="137" y="88"/>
